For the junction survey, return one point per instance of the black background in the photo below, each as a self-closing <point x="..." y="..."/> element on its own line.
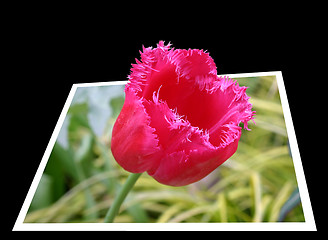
<point x="48" y="55"/>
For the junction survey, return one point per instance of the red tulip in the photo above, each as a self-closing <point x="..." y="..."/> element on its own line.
<point x="180" y="121"/>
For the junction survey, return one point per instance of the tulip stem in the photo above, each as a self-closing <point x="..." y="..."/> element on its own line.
<point x="113" y="210"/>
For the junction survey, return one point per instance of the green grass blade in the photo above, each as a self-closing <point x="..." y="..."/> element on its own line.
<point x="292" y="202"/>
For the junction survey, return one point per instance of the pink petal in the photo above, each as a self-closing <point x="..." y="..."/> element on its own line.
<point x="133" y="140"/>
<point x="180" y="120"/>
<point x="191" y="162"/>
<point x="186" y="154"/>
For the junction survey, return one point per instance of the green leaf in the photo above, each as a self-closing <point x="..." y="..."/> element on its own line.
<point x="138" y="213"/>
<point x="43" y="196"/>
<point x="55" y="170"/>
<point x="78" y="118"/>
<point x="84" y="154"/>
<point x="292" y="202"/>
<point x="65" y="158"/>
<point x="266" y="105"/>
<point x="279" y="201"/>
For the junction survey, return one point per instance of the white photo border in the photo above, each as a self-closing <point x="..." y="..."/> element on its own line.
<point x="308" y="225"/>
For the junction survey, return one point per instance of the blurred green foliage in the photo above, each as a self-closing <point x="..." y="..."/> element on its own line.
<point x="257" y="184"/>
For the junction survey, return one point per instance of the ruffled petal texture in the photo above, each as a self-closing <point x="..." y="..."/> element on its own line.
<point x="133" y="140"/>
<point x="180" y="121"/>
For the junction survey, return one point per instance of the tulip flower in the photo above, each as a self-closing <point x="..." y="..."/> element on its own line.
<point x="179" y="121"/>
